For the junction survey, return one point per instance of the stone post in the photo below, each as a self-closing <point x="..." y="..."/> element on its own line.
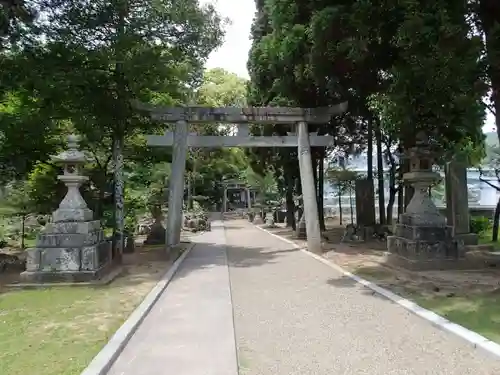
<point x="156" y="235"/>
<point x="308" y="189"/>
<point x="176" y="192"/>
<point x="301" y="231"/>
<point x="365" y="206"/>
<point x="249" y="198"/>
<point x="224" y="200"/>
<point x="457" y="203"/>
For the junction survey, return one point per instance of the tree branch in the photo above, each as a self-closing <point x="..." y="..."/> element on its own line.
<point x="491" y="109"/>
<point x="489" y="183"/>
<point x="94" y="154"/>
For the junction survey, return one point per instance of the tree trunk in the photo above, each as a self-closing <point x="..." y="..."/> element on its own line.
<point x="369" y="171"/>
<point x="315" y="161"/>
<point x="392" y="196"/>
<point x="102" y="194"/>
<point x="290" y="204"/>
<point x="23" y="230"/>
<point x="298" y="191"/>
<point x="400" y="183"/>
<point x="118" y="198"/>
<point x="351" y="205"/>
<point x="190" y="192"/>
<point x="495" y="222"/>
<point x="340" y="205"/>
<point x="119" y="134"/>
<point x="380" y="175"/>
<point x="489" y="14"/>
<point x="101" y="182"/>
<point x="321" y="190"/>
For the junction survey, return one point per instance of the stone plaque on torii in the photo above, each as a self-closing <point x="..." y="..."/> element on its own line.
<point x="180" y="140"/>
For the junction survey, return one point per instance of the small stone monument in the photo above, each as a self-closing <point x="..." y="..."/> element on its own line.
<point x="457" y="203"/>
<point x="270" y="220"/>
<point x="157" y="234"/>
<point x="422" y="240"/>
<point x="300" y="231"/>
<point x="365" y="208"/>
<point x="71" y="248"/>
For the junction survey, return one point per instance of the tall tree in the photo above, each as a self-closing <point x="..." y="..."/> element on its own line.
<point x="486" y="13"/>
<point x="101" y="55"/>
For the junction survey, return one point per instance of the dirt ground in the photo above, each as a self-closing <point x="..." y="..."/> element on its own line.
<point x="367" y="260"/>
<point x="144" y="265"/>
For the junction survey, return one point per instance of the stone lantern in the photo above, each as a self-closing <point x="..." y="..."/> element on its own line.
<point x="71" y="248"/>
<point x="422" y="238"/>
<point x="421" y="177"/>
<point x="73" y="207"/>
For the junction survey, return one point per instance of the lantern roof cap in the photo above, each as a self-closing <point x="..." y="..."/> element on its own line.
<point x="72" y="155"/>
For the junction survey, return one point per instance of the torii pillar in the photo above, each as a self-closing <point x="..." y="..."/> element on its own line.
<point x="308" y="189"/>
<point x="176" y="186"/>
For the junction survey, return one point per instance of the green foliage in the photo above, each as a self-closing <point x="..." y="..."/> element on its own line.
<point x="265" y="186"/>
<point x="26" y="136"/>
<point x="80" y="68"/>
<point x="480" y="225"/>
<point x="438" y="192"/>
<point x="435" y="83"/>
<point x="409" y="66"/>
<point x="18" y="199"/>
<point x="221" y="89"/>
<point x="44" y="191"/>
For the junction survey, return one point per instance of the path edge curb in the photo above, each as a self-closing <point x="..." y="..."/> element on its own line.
<point x="102" y="362"/>
<point x="473" y="338"/>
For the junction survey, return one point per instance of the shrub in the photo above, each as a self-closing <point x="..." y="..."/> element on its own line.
<point x="479" y="224"/>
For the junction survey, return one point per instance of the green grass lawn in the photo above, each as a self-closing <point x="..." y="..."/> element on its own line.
<point x="55" y="331"/>
<point x="58" y="331"/>
<point x="485" y="239"/>
<point x="479" y="313"/>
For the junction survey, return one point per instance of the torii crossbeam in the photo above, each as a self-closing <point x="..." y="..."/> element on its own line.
<point x="180" y="139"/>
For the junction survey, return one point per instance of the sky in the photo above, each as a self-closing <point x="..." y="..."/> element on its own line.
<point x="233" y="54"/>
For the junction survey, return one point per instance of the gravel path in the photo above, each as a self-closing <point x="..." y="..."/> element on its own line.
<point x="296" y="316"/>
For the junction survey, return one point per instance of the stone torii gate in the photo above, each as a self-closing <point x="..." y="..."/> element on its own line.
<point x="180" y="139"/>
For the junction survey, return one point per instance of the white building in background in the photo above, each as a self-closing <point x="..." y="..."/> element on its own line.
<point x="481" y="195"/>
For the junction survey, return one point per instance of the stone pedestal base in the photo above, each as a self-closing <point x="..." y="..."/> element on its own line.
<point x="68" y="252"/>
<point x="157" y="235"/>
<point x="471" y="261"/>
<point x="418" y="246"/>
<point x="466" y="239"/>
<point x="301" y="231"/>
<point x="129" y="245"/>
<point x="365" y="233"/>
<point x="45" y="277"/>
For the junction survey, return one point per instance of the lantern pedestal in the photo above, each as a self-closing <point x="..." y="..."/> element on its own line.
<point x="72" y="248"/>
<point x="422" y="240"/>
